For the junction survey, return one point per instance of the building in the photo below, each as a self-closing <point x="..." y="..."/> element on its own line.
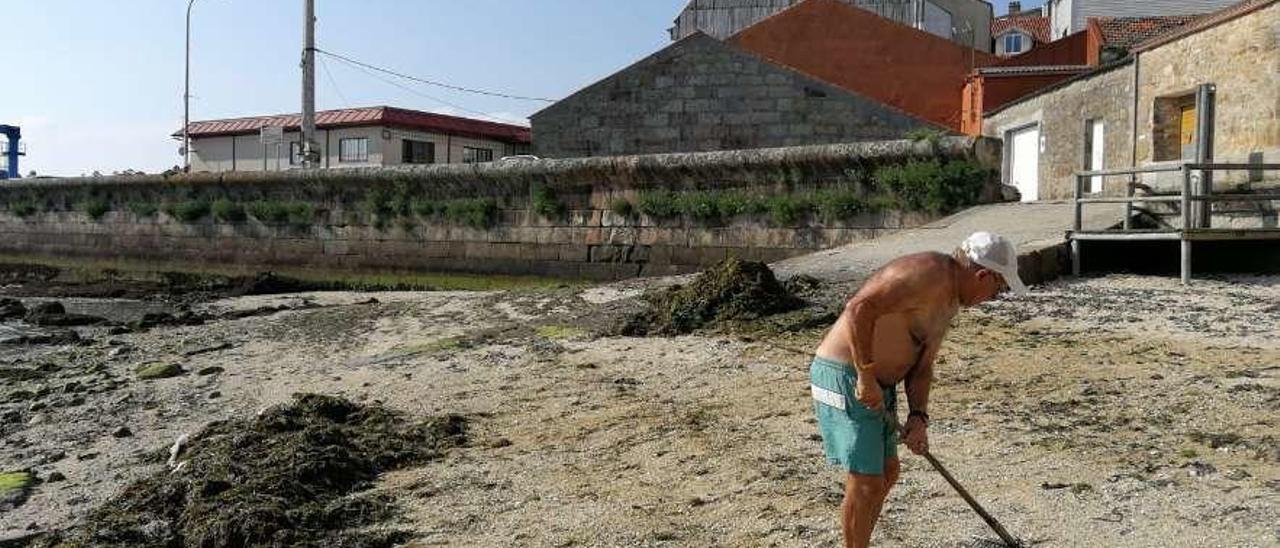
<point x="966" y="22"/>
<point x="1141" y="110"/>
<point x="909" y="70"/>
<point x="701" y="94"/>
<point x="1068" y="17"/>
<point x="1107" y="40"/>
<point x="356" y="137"/>
<point x="1019" y="31"/>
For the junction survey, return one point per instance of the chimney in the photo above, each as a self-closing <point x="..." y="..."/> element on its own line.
<point x="1015" y="8"/>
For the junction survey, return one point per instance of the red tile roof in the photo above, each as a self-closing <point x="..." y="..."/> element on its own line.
<point x="368" y="116"/>
<point x="1205" y="22"/>
<point x="1127" y="32"/>
<point x="1036" y="26"/>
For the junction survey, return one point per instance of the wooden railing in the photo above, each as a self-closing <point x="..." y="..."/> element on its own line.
<point x="1196" y="190"/>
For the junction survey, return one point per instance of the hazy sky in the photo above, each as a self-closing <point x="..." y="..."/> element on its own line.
<point x="97" y="85"/>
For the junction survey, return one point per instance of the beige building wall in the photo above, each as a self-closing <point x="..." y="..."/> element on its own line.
<point x="1242" y="59"/>
<point x="1061" y="116"/>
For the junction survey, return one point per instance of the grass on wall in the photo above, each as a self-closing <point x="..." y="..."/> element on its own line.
<point x="228" y="211"/>
<point x="143" y="209"/>
<point x="919" y="185"/>
<point x="94" y="207"/>
<point x="25" y="207"/>
<point x="189" y="211"/>
<point x="545" y="203"/>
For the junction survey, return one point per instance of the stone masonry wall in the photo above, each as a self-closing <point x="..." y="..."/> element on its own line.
<point x="1242" y="59"/>
<point x="700" y="94"/>
<point x="1061" y="115"/>
<point x="48" y="217"/>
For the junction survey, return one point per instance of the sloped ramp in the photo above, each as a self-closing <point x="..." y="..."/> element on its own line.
<point x="1037" y="228"/>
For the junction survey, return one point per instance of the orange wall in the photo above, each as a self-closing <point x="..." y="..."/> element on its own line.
<point x="984" y="93"/>
<point x="914" y="71"/>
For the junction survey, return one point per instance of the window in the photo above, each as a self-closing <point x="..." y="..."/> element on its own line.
<point x="417" y="152"/>
<point x="353" y="150"/>
<point x="472" y="155"/>
<point x="1013" y="43"/>
<point x="295" y="153"/>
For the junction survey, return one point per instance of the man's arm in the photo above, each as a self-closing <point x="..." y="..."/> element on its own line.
<point x="918" y="382"/>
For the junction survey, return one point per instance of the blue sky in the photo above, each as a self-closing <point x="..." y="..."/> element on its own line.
<point x="98" y="85"/>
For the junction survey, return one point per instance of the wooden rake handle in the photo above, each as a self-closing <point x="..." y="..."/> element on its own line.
<point x="964" y="493"/>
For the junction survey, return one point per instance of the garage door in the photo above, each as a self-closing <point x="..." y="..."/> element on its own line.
<point x="1024" y="162"/>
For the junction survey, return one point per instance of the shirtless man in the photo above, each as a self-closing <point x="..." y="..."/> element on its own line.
<point x="891" y="331"/>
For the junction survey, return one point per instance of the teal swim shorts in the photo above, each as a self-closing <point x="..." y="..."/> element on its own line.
<point x="852" y="435"/>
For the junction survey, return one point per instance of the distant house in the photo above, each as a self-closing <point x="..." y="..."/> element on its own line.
<point x="1068" y="17"/>
<point x="1019" y="31"/>
<point x="1141" y="110"/>
<point x="965" y="22"/>
<point x="356" y="137"/>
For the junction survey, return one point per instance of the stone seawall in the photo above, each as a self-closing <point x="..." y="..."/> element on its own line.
<point x="366" y="220"/>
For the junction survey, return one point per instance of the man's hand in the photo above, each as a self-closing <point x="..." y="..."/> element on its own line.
<point x="917" y="438"/>
<point x="868" y="392"/>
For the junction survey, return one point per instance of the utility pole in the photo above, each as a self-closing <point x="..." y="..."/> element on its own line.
<point x="309" y="153"/>
<point x="186" y="98"/>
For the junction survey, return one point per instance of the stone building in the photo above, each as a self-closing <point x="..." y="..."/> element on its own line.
<point x="701" y="94"/>
<point x="1140" y="111"/>
<point x="818" y="72"/>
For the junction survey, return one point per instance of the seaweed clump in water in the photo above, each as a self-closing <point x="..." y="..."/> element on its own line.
<point x="733" y="290"/>
<point x="288" y="477"/>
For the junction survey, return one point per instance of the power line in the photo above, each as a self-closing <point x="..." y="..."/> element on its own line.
<point x="432" y="82"/>
<point x="433" y="98"/>
<point x="333" y="83"/>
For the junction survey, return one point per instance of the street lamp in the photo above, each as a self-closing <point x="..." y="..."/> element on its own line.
<point x="186" y="98"/>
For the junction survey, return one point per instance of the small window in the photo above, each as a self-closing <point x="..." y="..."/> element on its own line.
<point x="1013" y="43"/>
<point x="417" y="152"/>
<point x="353" y="150"/>
<point x="472" y="155"/>
<point x="295" y="153"/>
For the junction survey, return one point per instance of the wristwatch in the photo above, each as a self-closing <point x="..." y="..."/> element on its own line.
<point x="923" y="416"/>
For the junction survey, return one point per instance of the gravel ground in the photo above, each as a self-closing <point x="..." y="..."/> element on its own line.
<point x="1099" y="412"/>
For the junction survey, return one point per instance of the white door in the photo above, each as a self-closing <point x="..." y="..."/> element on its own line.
<point x="1096" y="140"/>
<point x="1024" y="162"/>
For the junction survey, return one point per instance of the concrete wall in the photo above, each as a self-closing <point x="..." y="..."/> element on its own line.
<point x="1061" y="116"/>
<point x="589" y="241"/>
<point x="701" y="94"/>
<point x="215" y="154"/>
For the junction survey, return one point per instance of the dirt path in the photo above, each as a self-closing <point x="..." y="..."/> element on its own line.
<point x="1118" y="411"/>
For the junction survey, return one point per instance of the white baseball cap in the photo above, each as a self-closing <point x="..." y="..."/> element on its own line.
<point x="993" y="252"/>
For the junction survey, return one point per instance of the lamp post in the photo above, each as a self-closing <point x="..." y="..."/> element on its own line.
<point x="186" y="98"/>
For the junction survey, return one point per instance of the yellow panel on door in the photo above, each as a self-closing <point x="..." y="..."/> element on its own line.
<point x="1187" y="128"/>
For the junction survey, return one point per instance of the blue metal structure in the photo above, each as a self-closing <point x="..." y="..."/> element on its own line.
<point x="13" y="134"/>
